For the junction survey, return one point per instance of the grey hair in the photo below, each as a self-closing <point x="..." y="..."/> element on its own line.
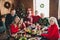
<point x="54" y="20"/>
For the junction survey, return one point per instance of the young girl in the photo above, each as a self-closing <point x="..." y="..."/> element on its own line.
<point x="53" y="30"/>
<point x="14" y="27"/>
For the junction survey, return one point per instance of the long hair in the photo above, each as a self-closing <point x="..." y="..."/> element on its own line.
<point x="15" y="18"/>
<point x="54" y="20"/>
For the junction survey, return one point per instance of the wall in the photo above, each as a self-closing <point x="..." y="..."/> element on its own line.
<point x="54" y="8"/>
<point x="27" y="3"/>
<point x="59" y="10"/>
<point x="44" y="10"/>
<point x="2" y="8"/>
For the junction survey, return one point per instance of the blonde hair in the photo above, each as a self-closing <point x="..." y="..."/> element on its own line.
<point x="15" y="18"/>
<point x="54" y="20"/>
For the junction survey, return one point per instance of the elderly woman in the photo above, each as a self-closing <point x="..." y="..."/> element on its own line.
<point x="53" y="30"/>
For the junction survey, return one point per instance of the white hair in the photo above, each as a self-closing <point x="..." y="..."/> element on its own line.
<point x="54" y="20"/>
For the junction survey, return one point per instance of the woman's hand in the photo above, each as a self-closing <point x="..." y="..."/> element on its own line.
<point x="25" y="29"/>
<point x="41" y="32"/>
<point x="19" y="25"/>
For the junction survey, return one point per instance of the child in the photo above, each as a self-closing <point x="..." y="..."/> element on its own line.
<point x="14" y="27"/>
<point x="38" y="28"/>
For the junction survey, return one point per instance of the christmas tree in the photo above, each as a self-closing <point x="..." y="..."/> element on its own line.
<point x="20" y="9"/>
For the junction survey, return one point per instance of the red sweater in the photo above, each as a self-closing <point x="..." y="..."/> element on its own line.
<point x="13" y="29"/>
<point x="53" y="33"/>
<point x="35" y="18"/>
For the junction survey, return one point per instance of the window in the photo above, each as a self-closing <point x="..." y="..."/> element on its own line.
<point x="42" y="6"/>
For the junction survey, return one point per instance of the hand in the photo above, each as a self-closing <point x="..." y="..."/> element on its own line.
<point x="41" y="32"/>
<point x="3" y="19"/>
<point x="25" y="29"/>
<point x="19" y="25"/>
